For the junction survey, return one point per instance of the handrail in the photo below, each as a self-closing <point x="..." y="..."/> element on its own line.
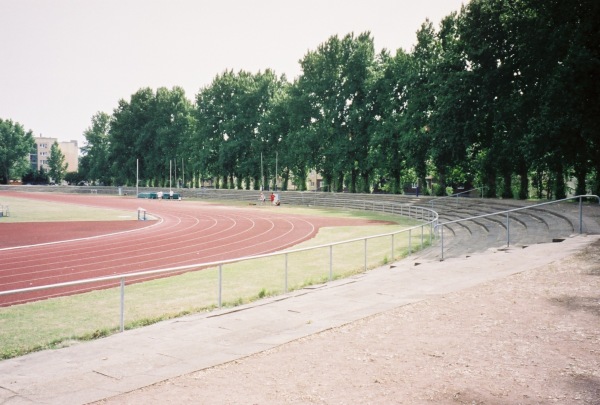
<point x="432" y="216"/>
<point x="507" y="212"/>
<point x="456" y="195"/>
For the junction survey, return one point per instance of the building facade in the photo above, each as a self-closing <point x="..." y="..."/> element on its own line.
<point x="41" y="153"/>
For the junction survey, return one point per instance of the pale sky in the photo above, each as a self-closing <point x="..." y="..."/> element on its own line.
<point x="62" y="61"/>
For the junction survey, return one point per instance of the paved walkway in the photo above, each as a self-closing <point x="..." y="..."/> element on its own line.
<point x="124" y="362"/>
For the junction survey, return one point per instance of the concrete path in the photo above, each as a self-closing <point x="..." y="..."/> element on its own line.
<point x="124" y="362"/>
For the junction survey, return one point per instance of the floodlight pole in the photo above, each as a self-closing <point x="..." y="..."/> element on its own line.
<point x="170" y="162"/>
<point x="262" y="174"/>
<point x="137" y="177"/>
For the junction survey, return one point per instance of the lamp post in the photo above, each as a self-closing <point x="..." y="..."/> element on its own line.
<point x="262" y="175"/>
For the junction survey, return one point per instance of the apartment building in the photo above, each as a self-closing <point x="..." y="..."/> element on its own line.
<point x="40" y="155"/>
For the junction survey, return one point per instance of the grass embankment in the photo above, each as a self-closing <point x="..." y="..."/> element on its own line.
<point x="64" y="321"/>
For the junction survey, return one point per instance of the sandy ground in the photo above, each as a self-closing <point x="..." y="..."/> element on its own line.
<point x="532" y="338"/>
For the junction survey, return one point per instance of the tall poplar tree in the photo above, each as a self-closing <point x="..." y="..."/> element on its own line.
<point x="57" y="167"/>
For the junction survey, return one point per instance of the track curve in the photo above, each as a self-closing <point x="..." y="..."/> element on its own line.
<point x="185" y="233"/>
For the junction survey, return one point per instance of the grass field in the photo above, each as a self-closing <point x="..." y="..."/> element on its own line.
<point x="63" y="321"/>
<point x="26" y="210"/>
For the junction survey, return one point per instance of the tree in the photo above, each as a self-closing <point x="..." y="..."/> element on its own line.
<point x="272" y="135"/>
<point x="302" y="143"/>
<point x="57" y="167"/>
<point x="221" y="127"/>
<point x="126" y="134"/>
<point x="388" y="125"/>
<point x="233" y="127"/>
<point x="94" y="164"/>
<point x="419" y="98"/>
<point x="565" y="130"/>
<point x="15" y="147"/>
<point x="334" y="84"/>
<point x="151" y="128"/>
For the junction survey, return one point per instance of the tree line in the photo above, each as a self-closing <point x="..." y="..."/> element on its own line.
<point x="16" y="145"/>
<point x="502" y="94"/>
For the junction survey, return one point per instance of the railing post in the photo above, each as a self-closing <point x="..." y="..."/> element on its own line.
<point x="442" y="241"/>
<point x="430" y="232"/>
<point x="285" y="289"/>
<point x="330" y="262"/>
<point x="580" y="215"/>
<point x="365" y="254"/>
<point x="122" y="309"/>
<point x="220" y="285"/>
<point x="392" y="249"/>
<point x="507" y="230"/>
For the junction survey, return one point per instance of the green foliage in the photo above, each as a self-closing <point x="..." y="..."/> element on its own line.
<point x="152" y="129"/>
<point x="240" y="122"/>
<point x="73" y="178"/>
<point x="36" y="177"/>
<point x="93" y="165"/>
<point x="56" y="164"/>
<point x="15" y="146"/>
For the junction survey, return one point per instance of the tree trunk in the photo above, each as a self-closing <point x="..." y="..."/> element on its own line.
<point x="328" y="178"/>
<point x="507" y="189"/>
<point x="397" y="184"/>
<point x="285" y="178"/>
<point x="559" y="183"/>
<point x="366" y="182"/>
<point x="353" y="180"/>
<point x="581" y="174"/>
<point x="524" y="181"/>
<point x="340" y="183"/>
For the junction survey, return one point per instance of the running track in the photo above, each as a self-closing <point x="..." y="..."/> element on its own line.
<point x="185" y="232"/>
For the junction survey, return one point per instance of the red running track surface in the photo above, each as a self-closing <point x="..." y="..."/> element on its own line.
<point x="184" y="233"/>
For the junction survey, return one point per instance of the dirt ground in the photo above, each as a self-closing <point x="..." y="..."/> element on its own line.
<point x="532" y="338"/>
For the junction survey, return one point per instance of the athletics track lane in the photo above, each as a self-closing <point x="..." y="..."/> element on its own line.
<point x="185" y="232"/>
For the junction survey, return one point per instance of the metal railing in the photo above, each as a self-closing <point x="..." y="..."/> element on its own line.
<point x="419" y="213"/>
<point x="441" y="226"/>
<point x="456" y="196"/>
